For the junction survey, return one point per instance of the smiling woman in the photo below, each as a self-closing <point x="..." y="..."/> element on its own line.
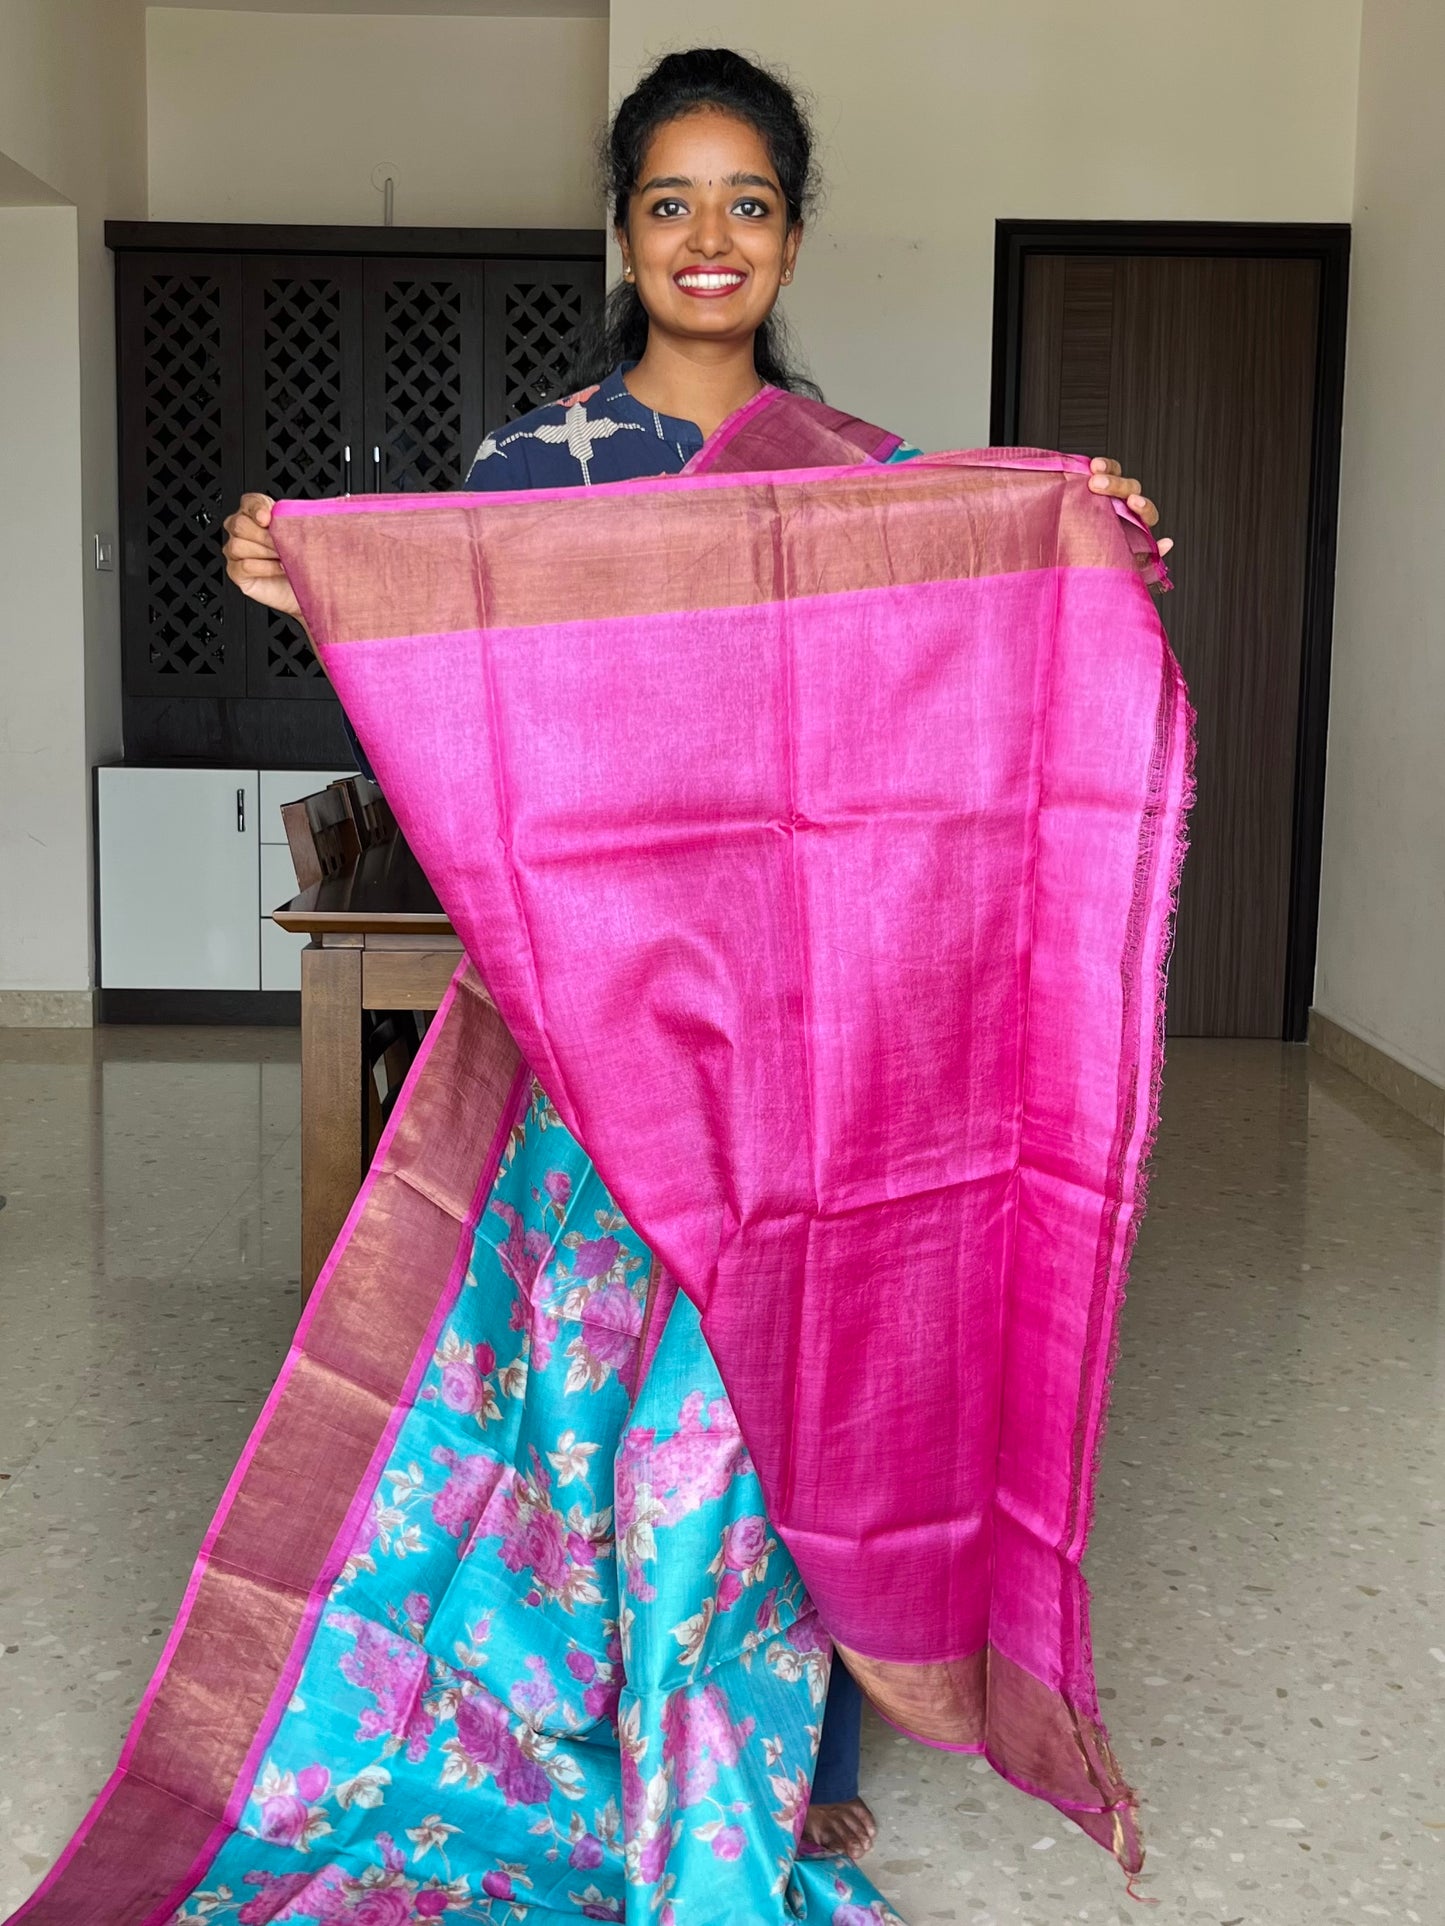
<point x="710" y="175"/>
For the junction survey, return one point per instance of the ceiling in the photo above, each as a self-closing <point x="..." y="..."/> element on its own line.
<point x="540" y="9"/>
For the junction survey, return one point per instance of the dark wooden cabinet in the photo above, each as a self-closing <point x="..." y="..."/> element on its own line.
<point x="306" y="362"/>
<point x="534" y="310"/>
<point x="303" y="423"/>
<point x="181" y="468"/>
<point x="425" y="361"/>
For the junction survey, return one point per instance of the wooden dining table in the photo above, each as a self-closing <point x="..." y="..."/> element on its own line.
<point x="379" y="941"/>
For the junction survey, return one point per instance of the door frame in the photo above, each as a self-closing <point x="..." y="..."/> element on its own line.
<point x="1328" y="243"/>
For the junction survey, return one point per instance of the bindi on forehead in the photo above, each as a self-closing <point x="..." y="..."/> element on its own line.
<point x="662" y="181"/>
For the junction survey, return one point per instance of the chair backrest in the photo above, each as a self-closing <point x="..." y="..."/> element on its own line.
<point x="369" y="810"/>
<point x="321" y="833"/>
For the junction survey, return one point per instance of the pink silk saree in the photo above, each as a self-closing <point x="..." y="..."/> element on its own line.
<point x="837" y="818"/>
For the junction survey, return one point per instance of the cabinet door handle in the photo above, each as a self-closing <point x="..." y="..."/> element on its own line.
<point x="240" y="812"/>
<point x="346" y="469"/>
<point x="376" y="471"/>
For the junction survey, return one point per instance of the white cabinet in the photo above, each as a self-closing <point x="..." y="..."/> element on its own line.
<point x="192" y="862"/>
<point x="178" y="879"/>
<point x="280" y="950"/>
<point x="289" y="785"/>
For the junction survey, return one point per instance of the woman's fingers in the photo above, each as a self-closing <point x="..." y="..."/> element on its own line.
<point x="251" y="559"/>
<point x="244" y="528"/>
<point x="251" y="521"/>
<point x="1106" y="477"/>
<point x="1120" y="486"/>
<point x="250" y="549"/>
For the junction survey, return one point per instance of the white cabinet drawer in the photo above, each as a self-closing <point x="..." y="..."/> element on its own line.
<point x="178" y="855"/>
<point x="280" y="950"/>
<point x="280" y="957"/>
<point x="278" y="877"/>
<point x="289" y="785"/>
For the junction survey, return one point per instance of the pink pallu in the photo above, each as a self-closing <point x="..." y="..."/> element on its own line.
<point x="816" y="836"/>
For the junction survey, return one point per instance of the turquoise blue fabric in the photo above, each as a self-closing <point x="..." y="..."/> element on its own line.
<point x="568" y="1670"/>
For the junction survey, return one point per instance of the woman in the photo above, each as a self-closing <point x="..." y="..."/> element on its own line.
<point x="710" y="179"/>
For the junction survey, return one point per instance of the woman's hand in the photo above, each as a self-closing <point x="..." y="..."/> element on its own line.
<point x="251" y="559"/>
<point x="1107" y="478"/>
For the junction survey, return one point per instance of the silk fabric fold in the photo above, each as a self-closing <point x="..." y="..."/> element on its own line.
<point x="834" y="818"/>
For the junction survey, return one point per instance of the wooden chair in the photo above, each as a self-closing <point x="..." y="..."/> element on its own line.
<point x="321" y="833"/>
<point x="325" y="834"/>
<point x="370" y="812"/>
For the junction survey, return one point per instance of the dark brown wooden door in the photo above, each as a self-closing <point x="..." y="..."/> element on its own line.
<point x="1199" y="374"/>
<point x="424" y="372"/>
<point x="179" y="364"/>
<point x="535" y="311"/>
<point x="302" y="403"/>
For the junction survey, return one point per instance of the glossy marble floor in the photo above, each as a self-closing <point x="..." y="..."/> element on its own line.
<point x="1270" y="1547"/>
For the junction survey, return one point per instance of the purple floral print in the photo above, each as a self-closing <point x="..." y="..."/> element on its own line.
<point x="393" y="1672"/>
<point x="485" y="1739"/>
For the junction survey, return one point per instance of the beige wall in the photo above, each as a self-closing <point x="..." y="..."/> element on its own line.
<point x="44" y="930"/>
<point x="72" y="116"/>
<point x="940" y="116"/>
<point x="1382" y="912"/>
<point x="273" y="117"/>
<point x="18" y="188"/>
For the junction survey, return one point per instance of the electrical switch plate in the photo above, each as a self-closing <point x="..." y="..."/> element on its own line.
<point x="104" y="553"/>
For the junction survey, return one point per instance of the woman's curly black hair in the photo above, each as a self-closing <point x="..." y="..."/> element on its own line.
<point x="684" y="83"/>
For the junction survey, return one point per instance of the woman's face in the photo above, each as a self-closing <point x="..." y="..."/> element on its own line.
<point x="707" y="235"/>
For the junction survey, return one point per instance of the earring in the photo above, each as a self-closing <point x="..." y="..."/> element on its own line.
<point x="627" y="273"/>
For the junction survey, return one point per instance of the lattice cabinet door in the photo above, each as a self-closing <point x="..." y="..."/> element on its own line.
<point x="304" y="423"/>
<point x="179" y="355"/>
<point x="423" y="373"/>
<point x="535" y="311"/>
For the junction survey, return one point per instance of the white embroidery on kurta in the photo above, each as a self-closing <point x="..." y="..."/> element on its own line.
<point x="576" y="431"/>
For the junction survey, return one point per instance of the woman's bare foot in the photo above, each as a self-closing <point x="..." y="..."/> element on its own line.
<point x="848" y="1828"/>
